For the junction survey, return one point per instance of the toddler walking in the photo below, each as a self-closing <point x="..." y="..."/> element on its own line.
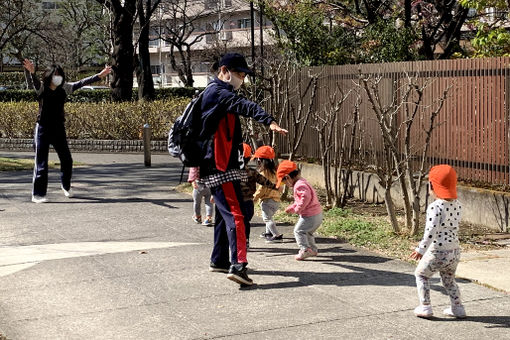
<point x="200" y="191"/>
<point x="249" y="188"/>
<point x="269" y="198"/>
<point x="306" y="204"/>
<point x="439" y="249"/>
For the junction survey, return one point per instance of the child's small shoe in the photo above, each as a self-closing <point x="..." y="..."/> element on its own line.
<point x="197" y="219"/>
<point x="274" y="239"/>
<point x="456" y="311"/>
<point x="313" y="252"/>
<point x="303" y="254"/>
<point x="423" y="311"/>
<point x="208" y="222"/>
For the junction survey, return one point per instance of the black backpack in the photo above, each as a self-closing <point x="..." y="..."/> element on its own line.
<point x="183" y="138"/>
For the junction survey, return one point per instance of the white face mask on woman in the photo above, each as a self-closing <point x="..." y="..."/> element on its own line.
<point x="57" y="80"/>
<point x="235" y="81"/>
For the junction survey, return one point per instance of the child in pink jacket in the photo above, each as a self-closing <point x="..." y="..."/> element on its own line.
<point x="306" y="205"/>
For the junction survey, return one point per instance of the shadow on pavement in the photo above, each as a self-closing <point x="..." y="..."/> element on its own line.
<point x="492" y="321"/>
<point x="345" y="259"/>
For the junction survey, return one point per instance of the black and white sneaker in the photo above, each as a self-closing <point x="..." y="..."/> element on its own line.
<point x="213" y="267"/>
<point x="274" y="239"/>
<point x="239" y="275"/>
<point x="265" y="235"/>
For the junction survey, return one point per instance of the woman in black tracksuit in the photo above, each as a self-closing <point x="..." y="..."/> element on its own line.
<point x="51" y="94"/>
<point x="222" y="163"/>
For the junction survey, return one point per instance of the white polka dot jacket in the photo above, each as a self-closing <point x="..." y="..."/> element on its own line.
<point x="441" y="227"/>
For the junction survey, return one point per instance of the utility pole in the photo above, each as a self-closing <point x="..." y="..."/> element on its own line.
<point x="252" y="21"/>
<point x="261" y="32"/>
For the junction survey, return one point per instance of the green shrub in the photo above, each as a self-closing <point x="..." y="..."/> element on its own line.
<point x="13" y="79"/>
<point x="119" y="121"/>
<point x="96" y="96"/>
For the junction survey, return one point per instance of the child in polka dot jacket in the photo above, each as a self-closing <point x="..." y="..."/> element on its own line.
<point x="439" y="249"/>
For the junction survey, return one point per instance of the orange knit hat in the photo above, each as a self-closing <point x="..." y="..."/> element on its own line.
<point x="444" y="181"/>
<point x="246" y="150"/>
<point x="284" y="168"/>
<point x="264" y="151"/>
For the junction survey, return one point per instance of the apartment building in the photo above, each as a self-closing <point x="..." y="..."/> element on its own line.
<point x="219" y="25"/>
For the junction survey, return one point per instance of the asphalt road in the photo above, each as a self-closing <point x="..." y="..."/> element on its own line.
<point x="123" y="260"/>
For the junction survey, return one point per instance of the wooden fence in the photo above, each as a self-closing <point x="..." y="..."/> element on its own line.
<point x="473" y="131"/>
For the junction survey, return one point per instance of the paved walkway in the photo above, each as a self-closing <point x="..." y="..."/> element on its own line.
<point x="122" y="260"/>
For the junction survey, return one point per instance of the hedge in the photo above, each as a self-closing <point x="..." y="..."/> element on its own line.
<point x="122" y="121"/>
<point x="95" y="96"/>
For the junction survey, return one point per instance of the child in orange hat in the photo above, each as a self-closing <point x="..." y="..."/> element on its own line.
<point x="439" y="250"/>
<point x="249" y="188"/>
<point x="306" y="204"/>
<point x="269" y="198"/>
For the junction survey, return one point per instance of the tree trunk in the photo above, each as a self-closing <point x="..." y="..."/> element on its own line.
<point x="144" y="73"/>
<point x="123" y="51"/>
<point x="407" y="201"/>
<point x="390" y="208"/>
<point x="416" y="215"/>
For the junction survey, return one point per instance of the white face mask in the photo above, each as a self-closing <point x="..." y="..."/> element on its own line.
<point x="57" y="80"/>
<point x="235" y="81"/>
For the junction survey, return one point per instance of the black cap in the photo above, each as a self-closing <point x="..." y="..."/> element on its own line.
<point x="235" y="62"/>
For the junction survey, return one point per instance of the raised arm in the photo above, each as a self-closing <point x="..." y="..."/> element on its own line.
<point x="32" y="79"/>
<point x="247" y="108"/>
<point x="71" y="87"/>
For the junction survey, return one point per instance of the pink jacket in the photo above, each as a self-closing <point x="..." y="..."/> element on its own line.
<point x="194" y="174"/>
<point x="306" y="202"/>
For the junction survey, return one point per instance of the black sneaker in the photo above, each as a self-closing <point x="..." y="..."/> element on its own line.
<point x="213" y="267"/>
<point x="239" y="275"/>
<point x="265" y="235"/>
<point x="274" y="239"/>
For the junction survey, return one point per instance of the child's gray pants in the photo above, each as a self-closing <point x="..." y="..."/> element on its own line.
<point x="304" y="229"/>
<point x="202" y="192"/>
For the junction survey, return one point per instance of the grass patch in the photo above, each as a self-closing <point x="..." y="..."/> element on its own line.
<point x="18" y="164"/>
<point x="184" y="187"/>
<point x="366" y="231"/>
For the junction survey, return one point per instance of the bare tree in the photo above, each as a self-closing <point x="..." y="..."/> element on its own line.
<point x="384" y="163"/>
<point x="412" y="110"/>
<point x="187" y="23"/>
<point x="400" y="165"/>
<point x="332" y="137"/>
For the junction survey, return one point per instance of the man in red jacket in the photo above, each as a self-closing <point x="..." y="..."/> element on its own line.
<point x="222" y="163"/>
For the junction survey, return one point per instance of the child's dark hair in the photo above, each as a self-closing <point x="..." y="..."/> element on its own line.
<point x="50" y="71"/>
<point x="294" y="173"/>
<point x="268" y="164"/>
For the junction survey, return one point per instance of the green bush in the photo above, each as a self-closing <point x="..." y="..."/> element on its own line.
<point x="13" y="79"/>
<point x="119" y="121"/>
<point x="96" y="96"/>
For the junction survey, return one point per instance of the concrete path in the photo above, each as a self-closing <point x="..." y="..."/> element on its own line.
<point x="123" y="260"/>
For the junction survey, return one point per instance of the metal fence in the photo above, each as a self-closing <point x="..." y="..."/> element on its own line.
<point x="473" y="131"/>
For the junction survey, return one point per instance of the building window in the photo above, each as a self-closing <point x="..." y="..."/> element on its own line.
<point x="154" y="43"/>
<point x="157" y="69"/>
<point x="226" y="35"/>
<point x="211" y="38"/>
<point x="244" y="23"/>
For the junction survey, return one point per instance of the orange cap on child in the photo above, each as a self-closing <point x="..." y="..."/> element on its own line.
<point x="246" y="150"/>
<point x="284" y="168"/>
<point x="264" y="151"/>
<point x="444" y="181"/>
